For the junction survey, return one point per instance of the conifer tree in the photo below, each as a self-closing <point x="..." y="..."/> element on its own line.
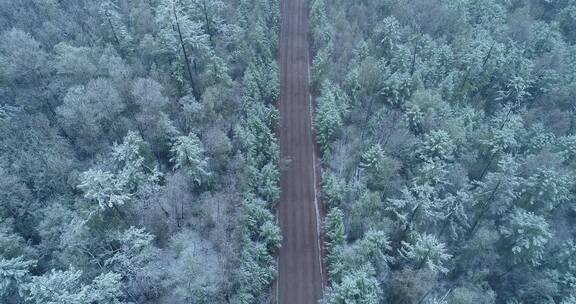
<point x="188" y="154"/>
<point x="426" y="251"/>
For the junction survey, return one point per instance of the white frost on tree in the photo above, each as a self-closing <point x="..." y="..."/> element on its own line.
<point x="104" y="188"/>
<point x="357" y="287"/>
<point x="528" y="235"/>
<point x="66" y="287"/>
<point x="188" y="154"/>
<point x="426" y="251"/>
<point x="128" y="177"/>
<point x="13" y="272"/>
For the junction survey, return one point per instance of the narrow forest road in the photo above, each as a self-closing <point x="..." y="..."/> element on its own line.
<point x="300" y="278"/>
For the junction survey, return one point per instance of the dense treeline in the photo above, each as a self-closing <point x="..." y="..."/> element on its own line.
<point x="448" y="144"/>
<point x="138" y="162"/>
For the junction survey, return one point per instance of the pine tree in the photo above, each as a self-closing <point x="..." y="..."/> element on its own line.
<point x="372" y="250"/>
<point x="455" y="216"/>
<point x="436" y="146"/>
<point x="210" y="14"/>
<point x="496" y="195"/>
<point x="357" y="287"/>
<point x="256" y="136"/>
<point x="332" y="106"/>
<point x="154" y="124"/>
<point x="333" y="189"/>
<point x="387" y="33"/>
<point x="13" y="273"/>
<point x="129" y="159"/>
<point x="321" y="66"/>
<point x="379" y="166"/>
<point x="426" y="251"/>
<point x="128" y="177"/>
<point x="188" y="154"/>
<point x="133" y="253"/>
<point x="270" y="233"/>
<point x="180" y="34"/>
<point x="547" y="189"/>
<point x="416" y="207"/>
<point x="527" y="235"/>
<point x="266" y="182"/>
<point x="319" y="27"/>
<point x="257" y="270"/>
<point x="104" y="188"/>
<point x="66" y="287"/>
<point x="335" y="241"/>
<point x="113" y="21"/>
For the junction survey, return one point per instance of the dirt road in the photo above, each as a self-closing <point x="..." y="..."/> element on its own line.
<point x="300" y="273"/>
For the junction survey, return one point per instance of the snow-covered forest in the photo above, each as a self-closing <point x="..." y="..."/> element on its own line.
<point x="448" y="136"/>
<point x="138" y="162"/>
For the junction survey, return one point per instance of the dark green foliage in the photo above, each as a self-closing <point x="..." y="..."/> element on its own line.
<point x="456" y="146"/>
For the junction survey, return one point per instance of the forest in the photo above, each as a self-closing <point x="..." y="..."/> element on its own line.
<point x="447" y="130"/>
<point x="140" y="163"/>
<point x="138" y="160"/>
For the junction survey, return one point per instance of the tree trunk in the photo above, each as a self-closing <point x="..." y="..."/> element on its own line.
<point x="112" y="29"/>
<point x="413" y="65"/>
<point x="186" y="59"/>
<point x="207" y="23"/>
<point x="484" y="209"/>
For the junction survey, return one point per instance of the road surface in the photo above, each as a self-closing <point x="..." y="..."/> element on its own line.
<point x="300" y="278"/>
